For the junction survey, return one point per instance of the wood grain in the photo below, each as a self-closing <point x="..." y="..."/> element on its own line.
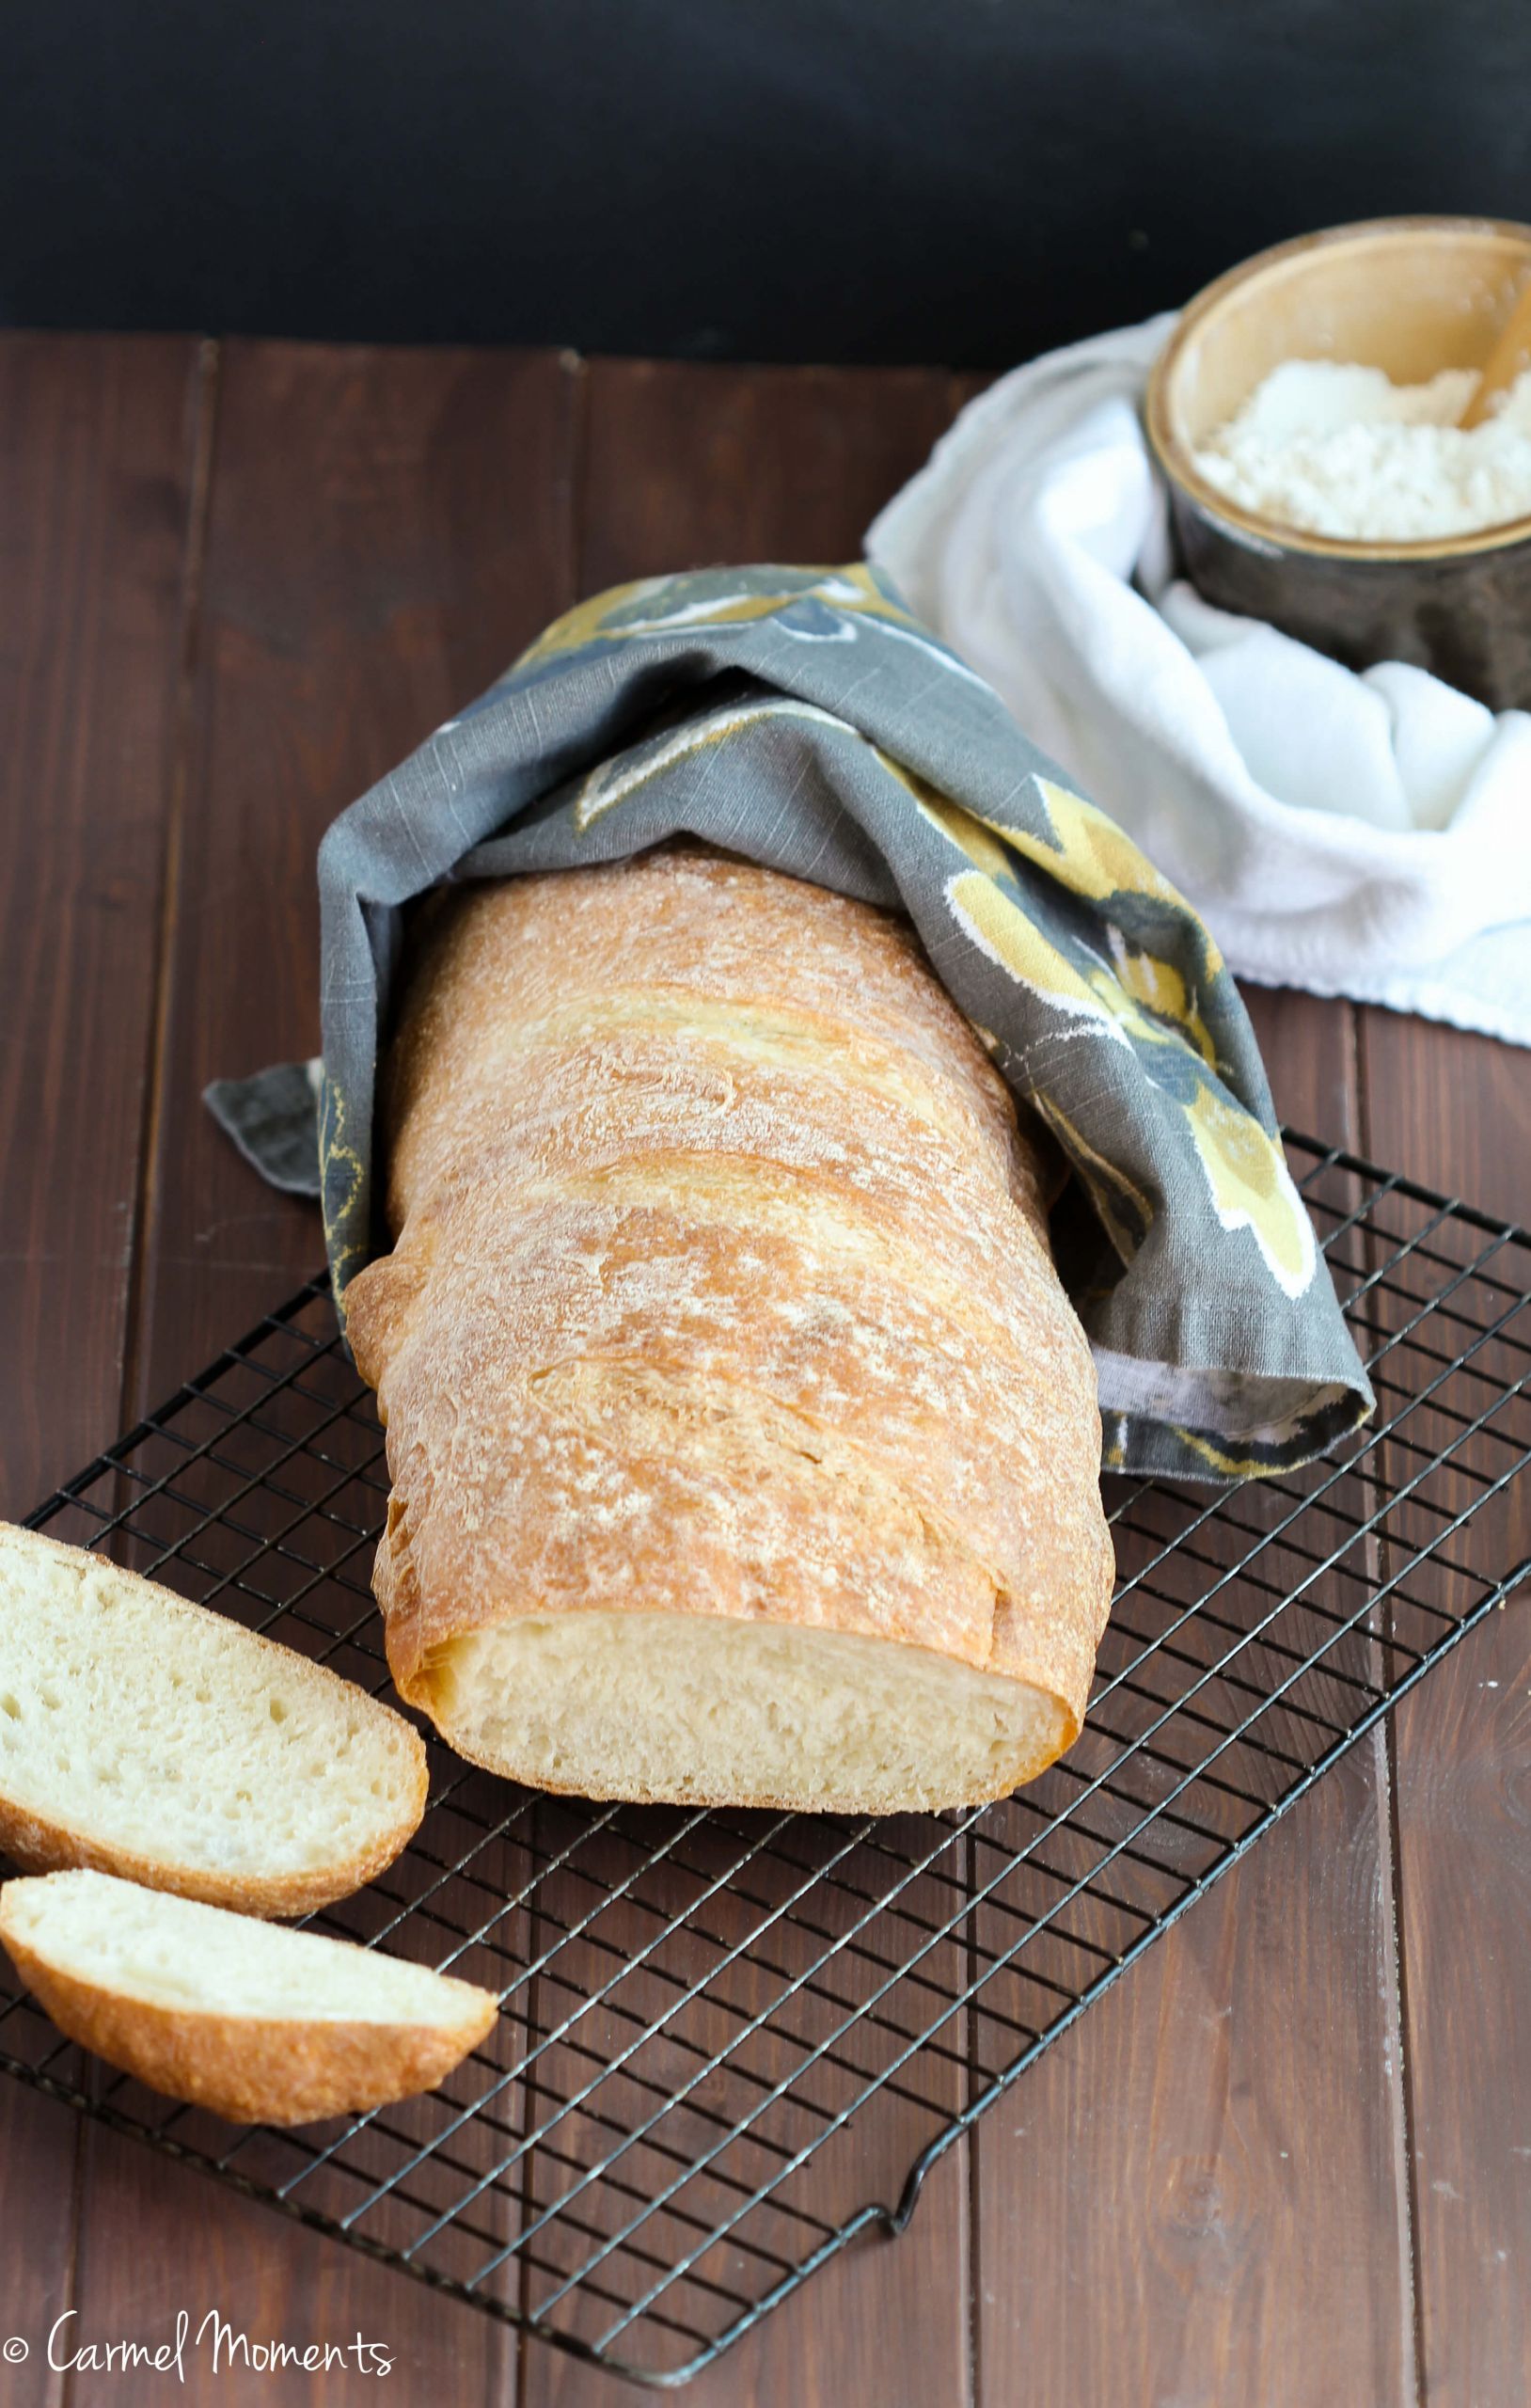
<point x="1455" y="1110"/>
<point x="1215" y="2150"/>
<point x="97" y="446"/>
<point x="687" y="466"/>
<point x="385" y="531"/>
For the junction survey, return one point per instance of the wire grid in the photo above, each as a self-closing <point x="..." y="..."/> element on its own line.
<point x="730" y="2042"/>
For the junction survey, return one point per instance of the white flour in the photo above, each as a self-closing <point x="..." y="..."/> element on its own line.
<point x="1339" y="450"/>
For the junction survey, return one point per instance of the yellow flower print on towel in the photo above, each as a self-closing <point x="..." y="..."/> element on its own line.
<point x="342" y="1182"/>
<point x="1095" y="858"/>
<point x="1252" y="1188"/>
<point x="1134" y="997"/>
<point x="617" y="780"/>
<point x="658" y="606"/>
<point x="1001" y="930"/>
<point x="1155" y="985"/>
<point x="1243" y="1166"/>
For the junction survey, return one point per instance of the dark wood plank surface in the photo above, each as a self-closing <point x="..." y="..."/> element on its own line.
<point x="683" y="468"/>
<point x="252" y="580"/>
<point x="385" y="531"/>
<point x="98" y="499"/>
<point x="1456" y="1109"/>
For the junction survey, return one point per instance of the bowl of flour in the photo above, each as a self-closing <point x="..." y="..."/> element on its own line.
<point x="1304" y="414"/>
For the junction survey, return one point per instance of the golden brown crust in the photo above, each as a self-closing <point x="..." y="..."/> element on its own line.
<point x="252" y="2070"/>
<point x="698" y="931"/>
<point x="720" y="1287"/>
<point x="784" y="1801"/>
<point x="38" y="1845"/>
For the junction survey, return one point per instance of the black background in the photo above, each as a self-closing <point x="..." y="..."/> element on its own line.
<point x="964" y="181"/>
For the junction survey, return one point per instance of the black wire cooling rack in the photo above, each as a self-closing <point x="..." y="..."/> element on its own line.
<point x="733" y="2042"/>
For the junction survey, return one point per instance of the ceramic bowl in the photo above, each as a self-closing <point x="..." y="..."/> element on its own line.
<point x="1410" y="295"/>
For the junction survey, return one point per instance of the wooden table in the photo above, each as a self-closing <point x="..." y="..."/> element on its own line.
<point x="1288" y="2159"/>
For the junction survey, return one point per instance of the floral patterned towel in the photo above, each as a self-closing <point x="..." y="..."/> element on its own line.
<point x="802" y="717"/>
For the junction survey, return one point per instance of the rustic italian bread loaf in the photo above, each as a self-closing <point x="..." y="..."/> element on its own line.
<point x="261" y="2025"/>
<point x="151" y="1737"/>
<point x="744" y="1445"/>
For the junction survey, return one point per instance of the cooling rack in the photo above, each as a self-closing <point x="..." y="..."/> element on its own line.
<point x="732" y="2043"/>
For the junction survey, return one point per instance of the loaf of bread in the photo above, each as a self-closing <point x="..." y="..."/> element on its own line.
<point x="148" y="1737"/>
<point x="262" y="2025"/>
<point x="744" y="1445"/>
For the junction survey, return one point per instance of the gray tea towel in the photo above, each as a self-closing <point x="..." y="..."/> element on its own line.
<point x="803" y="718"/>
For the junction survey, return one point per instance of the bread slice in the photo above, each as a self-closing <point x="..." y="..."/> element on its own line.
<point x="148" y="1737"/>
<point x="262" y="2025"/>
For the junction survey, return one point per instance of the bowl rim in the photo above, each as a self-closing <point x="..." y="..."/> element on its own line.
<point x="1176" y="460"/>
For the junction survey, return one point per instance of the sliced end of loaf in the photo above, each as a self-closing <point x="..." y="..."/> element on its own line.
<point x="683" y="1707"/>
<point x="260" y="2024"/>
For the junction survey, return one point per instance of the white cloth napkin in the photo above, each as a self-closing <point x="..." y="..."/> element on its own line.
<point x="1357" y="835"/>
